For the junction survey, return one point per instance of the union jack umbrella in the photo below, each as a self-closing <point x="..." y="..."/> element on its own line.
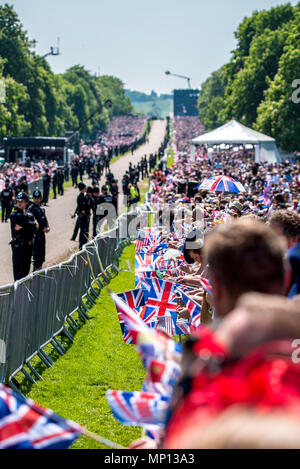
<point x="222" y="184"/>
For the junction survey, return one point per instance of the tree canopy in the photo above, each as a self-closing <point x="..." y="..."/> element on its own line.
<point x="255" y="86"/>
<point x="41" y="103"/>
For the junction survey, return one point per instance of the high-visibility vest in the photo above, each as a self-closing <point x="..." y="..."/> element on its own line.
<point x="134" y="193"/>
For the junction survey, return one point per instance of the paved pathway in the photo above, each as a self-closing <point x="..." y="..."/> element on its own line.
<point x="58" y="244"/>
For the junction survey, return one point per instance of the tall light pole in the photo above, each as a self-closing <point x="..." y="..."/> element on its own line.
<point x="180" y="76"/>
<point x="53" y="50"/>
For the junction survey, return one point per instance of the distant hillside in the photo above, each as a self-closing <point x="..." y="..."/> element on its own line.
<point x="151" y="104"/>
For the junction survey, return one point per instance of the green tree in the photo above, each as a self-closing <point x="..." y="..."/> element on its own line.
<point x="279" y="114"/>
<point x="210" y="100"/>
<point x="255" y="86"/>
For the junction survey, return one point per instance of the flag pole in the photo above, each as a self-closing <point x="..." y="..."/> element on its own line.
<point x="102" y="440"/>
<point x="58" y="419"/>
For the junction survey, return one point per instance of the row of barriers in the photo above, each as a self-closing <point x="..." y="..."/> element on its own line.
<point x="34" y="311"/>
<point x="37" y="310"/>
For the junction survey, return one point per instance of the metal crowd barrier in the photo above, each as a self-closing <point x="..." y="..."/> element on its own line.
<point x="35" y="185"/>
<point x="34" y="311"/>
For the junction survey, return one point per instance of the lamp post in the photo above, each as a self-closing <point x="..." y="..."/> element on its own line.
<point x="180" y="76"/>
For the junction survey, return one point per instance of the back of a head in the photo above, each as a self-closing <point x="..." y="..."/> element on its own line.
<point x="246" y="256"/>
<point x="288" y="222"/>
<point x="243" y="428"/>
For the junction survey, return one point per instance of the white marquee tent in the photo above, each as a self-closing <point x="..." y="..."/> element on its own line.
<point x="234" y="133"/>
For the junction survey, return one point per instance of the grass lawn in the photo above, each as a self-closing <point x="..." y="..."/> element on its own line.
<point x="98" y="360"/>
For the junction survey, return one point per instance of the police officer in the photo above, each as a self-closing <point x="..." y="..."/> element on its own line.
<point x="66" y="172"/>
<point x="23" y="227"/>
<point x="46" y="186"/>
<point x="54" y="182"/>
<point x="134" y="195"/>
<point x="97" y="201"/>
<point x="23" y="185"/>
<point x="83" y="211"/>
<point x="39" y="240"/>
<point x="60" y="182"/>
<point x="91" y="202"/>
<point x="108" y="209"/>
<point x="81" y="169"/>
<point x="114" y="189"/>
<point x="74" y="175"/>
<point x="6" y="201"/>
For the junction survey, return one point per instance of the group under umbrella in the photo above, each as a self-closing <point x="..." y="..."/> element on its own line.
<point x="221" y="184"/>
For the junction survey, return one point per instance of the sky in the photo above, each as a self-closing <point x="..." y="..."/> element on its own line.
<point x="138" y="40"/>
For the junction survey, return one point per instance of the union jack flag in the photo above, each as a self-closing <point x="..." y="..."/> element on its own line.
<point x="25" y="425"/>
<point x="162" y="299"/>
<point x="206" y="285"/>
<point x="146" y="237"/>
<point x="162" y="376"/>
<point x="266" y="196"/>
<point x="155" y="248"/>
<point x="140" y="275"/>
<point x="172" y="326"/>
<point x="149" y="343"/>
<point x="134" y="298"/>
<point x="193" y="308"/>
<point x="125" y="332"/>
<point x="181" y="327"/>
<point x="162" y="263"/>
<point x="138" y="408"/>
<point x="145" y="259"/>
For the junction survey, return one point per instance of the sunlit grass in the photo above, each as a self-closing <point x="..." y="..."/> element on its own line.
<point x="98" y="360"/>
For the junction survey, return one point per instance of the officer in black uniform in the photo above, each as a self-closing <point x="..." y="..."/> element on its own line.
<point x="6" y="201"/>
<point x="81" y="169"/>
<point x="23" y="185"/>
<point x="39" y="240"/>
<point x="23" y="228"/>
<point x="66" y="172"/>
<point x="83" y="212"/>
<point x="97" y="201"/>
<point x="114" y="189"/>
<point x="91" y="202"/>
<point x="104" y="211"/>
<point x="60" y="182"/>
<point x="46" y="186"/>
<point x="54" y="182"/>
<point x="74" y="175"/>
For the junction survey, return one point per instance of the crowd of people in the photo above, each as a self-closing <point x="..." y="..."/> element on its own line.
<point x="93" y="202"/>
<point x="28" y="217"/>
<point x="124" y="133"/>
<point x="27" y="171"/>
<point x="185" y="128"/>
<point x="239" y="381"/>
